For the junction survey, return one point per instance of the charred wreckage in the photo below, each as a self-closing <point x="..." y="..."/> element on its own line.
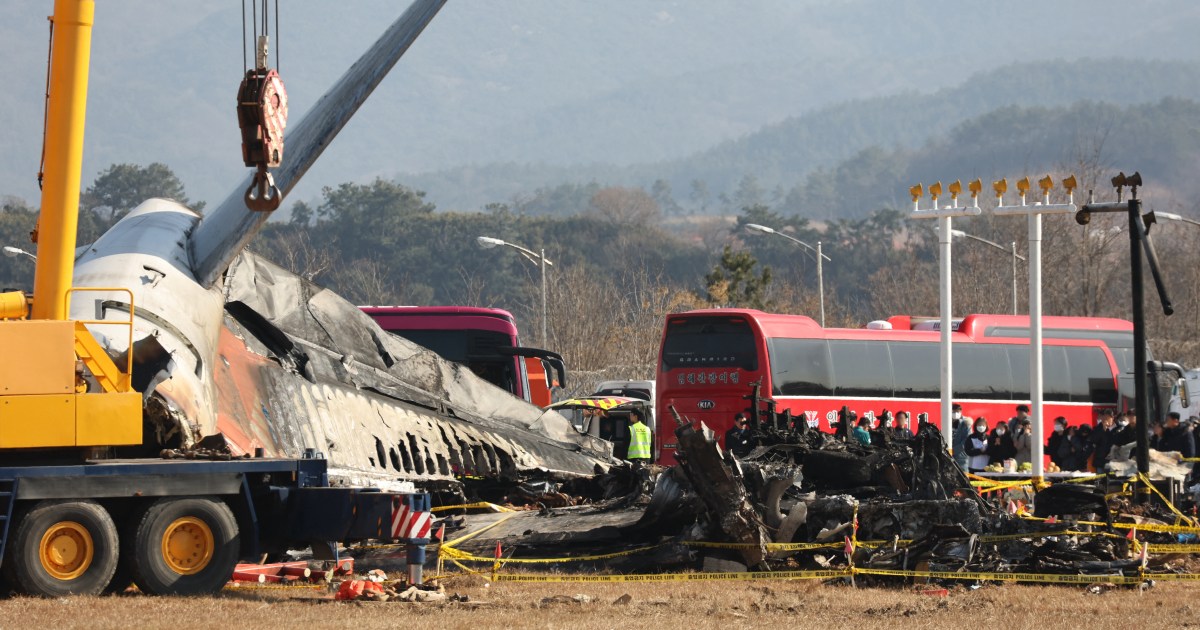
<point x="795" y="503"/>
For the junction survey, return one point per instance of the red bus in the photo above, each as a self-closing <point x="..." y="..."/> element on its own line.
<point x="483" y="339"/>
<point x="709" y="360"/>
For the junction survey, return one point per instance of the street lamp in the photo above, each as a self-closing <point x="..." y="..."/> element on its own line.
<point x="487" y="242"/>
<point x="13" y="252"/>
<point x="1015" y="258"/>
<point x="1154" y="215"/>
<point x="820" y="272"/>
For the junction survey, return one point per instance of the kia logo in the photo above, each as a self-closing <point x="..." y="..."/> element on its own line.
<point x="706" y="404"/>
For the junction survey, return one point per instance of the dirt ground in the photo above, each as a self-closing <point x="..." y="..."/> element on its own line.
<point x="662" y="606"/>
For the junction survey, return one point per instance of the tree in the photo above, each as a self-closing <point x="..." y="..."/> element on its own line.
<point x="624" y="206"/>
<point x="121" y="187"/>
<point x="369" y="218"/>
<point x="661" y="192"/>
<point x="733" y="281"/>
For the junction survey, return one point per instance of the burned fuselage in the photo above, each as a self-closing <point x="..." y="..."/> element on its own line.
<point x="225" y="343"/>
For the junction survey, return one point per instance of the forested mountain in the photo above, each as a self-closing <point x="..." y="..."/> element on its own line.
<point x="781" y="156"/>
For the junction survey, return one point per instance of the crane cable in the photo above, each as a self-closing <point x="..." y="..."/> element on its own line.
<point x="46" y="107"/>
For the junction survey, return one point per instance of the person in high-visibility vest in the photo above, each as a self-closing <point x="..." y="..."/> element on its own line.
<point x="639" y="440"/>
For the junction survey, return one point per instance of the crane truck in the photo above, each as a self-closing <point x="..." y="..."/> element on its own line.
<point x="74" y="519"/>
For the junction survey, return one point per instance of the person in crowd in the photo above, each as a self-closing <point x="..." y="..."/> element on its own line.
<point x="977" y="446"/>
<point x="1000" y="445"/>
<point x="862" y="432"/>
<point x="960" y="427"/>
<point x="1156" y="433"/>
<point x="1126" y="429"/>
<point x="1102" y="438"/>
<point x="1015" y="421"/>
<point x="1023" y="442"/>
<point x="1054" y="445"/>
<point x="1081" y="447"/>
<point x="739" y="439"/>
<point x="1177" y="437"/>
<point x="903" y="428"/>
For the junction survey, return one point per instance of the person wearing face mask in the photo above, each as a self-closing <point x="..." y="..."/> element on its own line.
<point x="977" y="446"/>
<point x="1126" y="430"/>
<point x="1058" y="440"/>
<point x="1023" y="441"/>
<point x="960" y="427"/>
<point x="1000" y="445"/>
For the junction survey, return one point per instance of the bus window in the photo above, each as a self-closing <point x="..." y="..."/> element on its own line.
<point x="981" y="371"/>
<point x="1018" y="362"/>
<point x="800" y="367"/>
<point x="1056" y="375"/>
<point x="701" y="342"/>
<point x="1091" y="380"/>
<point x="861" y="368"/>
<point x="913" y="370"/>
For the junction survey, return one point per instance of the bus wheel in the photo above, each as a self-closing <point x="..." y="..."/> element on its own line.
<point x="63" y="548"/>
<point x="184" y="547"/>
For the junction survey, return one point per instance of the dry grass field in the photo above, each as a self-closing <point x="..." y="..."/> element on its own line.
<point x="662" y="606"/>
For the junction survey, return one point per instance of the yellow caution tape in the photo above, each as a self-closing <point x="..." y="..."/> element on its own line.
<point x="1050" y="578"/>
<point x="1173" y="548"/>
<point x="473" y="506"/>
<point x="676" y="577"/>
<point x="1149" y="527"/>
<point x="767" y="546"/>
<point x="477" y="532"/>
<point x="1179" y="515"/>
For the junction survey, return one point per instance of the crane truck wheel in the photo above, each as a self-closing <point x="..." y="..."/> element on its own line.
<point x="63" y="548"/>
<point x="184" y="547"/>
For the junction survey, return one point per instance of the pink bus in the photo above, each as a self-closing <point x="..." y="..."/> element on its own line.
<point x="483" y="339"/>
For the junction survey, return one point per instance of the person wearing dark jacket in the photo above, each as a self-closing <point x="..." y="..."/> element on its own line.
<point x="1177" y="437"/>
<point x="1102" y="438"/>
<point x="1000" y="445"/>
<point x="1081" y="448"/>
<point x="1054" y="445"/>
<point x="739" y="439"/>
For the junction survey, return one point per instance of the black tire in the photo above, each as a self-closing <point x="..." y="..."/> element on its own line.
<point x="78" y="526"/>
<point x="197" y="569"/>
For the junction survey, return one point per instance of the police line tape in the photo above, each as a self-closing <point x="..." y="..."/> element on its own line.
<point x="457" y="554"/>
<point x="1043" y="578"/>
<point x="1172" y="548"/>
<point x="676" y="577"/>
<point x="868" y="544"/>
<point x="473" y="506"/>
<point x="1149" y="527"/>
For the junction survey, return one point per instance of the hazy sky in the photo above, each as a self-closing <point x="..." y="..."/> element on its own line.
<point x="559" y="81"/>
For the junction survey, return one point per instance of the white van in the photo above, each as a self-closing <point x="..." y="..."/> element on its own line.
<point x="630" y="389"/>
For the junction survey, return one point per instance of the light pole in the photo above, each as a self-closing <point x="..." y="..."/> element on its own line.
<point x="945" y="216"/>
<point x="1154" y="215"/>
<point x="1015" y="258"/>
<point x="13" y="252"/>
<point x="820" y="271"/>
<point x="488" y="242"/>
